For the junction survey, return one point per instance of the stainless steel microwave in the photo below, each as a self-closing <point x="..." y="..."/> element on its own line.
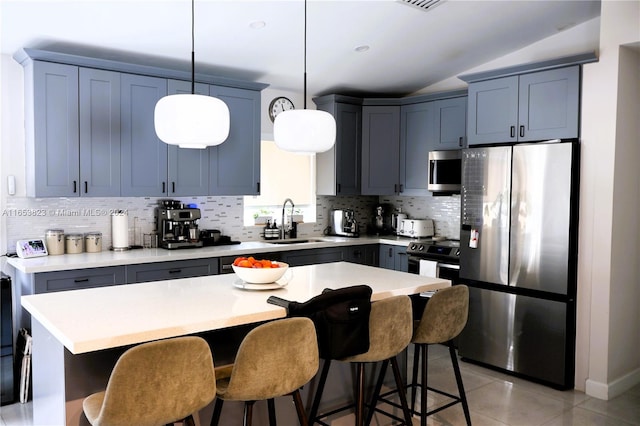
<point x="445" y="171"/>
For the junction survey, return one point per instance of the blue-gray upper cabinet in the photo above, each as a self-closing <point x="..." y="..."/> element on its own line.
<point x="99" y="133"/>
<point x="188" y="168"/>
<point x="73" y="131"/>
<point x="450" y="126"/>
<point x="52" y="130"/>
<point x="234" y="165"/>
<point x="381" y="150"/>
<point x="339" y="170"/>
<point x="144" y="155"/>
<point x="416" y="134"/>
<point x="526" y="107"/>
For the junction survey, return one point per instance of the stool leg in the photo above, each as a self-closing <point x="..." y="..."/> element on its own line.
<point x="401" y="391"/>
<point x="376" y="391"/>
<point x="248" y="413"/>
<point x="463" y="395"/>
<point x="423" y="385"/>
<point x="318" y="396"/>
<point x="297" y="400"/>
<point x="414" y="376"/>
<point x="272" y="412"/>
<point x="360" y="394"/>
<point x="217" y="409"/>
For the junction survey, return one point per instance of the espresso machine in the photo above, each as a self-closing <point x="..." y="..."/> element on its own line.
<point x="343" y="223"/>
<point x="177" y="225"/>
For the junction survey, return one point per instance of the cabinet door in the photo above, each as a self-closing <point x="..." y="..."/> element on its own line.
<point x="338" y="171"/>
<point x="549" y="104"/>
<point x="56" y="148"/>
<point x="234" y="165"/>
<point x="450" y="129"/>
<point x="144" y="155"/>
<point x="99" y="133"/>
<point x="188" y="168"/>
<point x="313" y="256"/>
<point x="365" y="255"/>
<point x="380" y="150"/>
<point x="394" y="257"/>
<point x="416" y="131"/>
<point x="78" y="279"/>
<point x="493" y="111"/>
<point x="171" y="270"/>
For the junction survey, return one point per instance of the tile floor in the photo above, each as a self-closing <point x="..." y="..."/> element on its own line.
<point x="495" y="399"/>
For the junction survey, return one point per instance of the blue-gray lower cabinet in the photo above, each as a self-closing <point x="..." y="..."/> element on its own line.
<point x="313" y="256"/>
<point x="394" y="257"/>
<point x="234" y="165"/>
<point x="171" y="270"/>
<point x="78" y="279"/>
<point x="365" y="255"/>
<point x="144" y="155"/>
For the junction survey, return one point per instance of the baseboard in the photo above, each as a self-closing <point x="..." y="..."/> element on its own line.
<point x="607" y="391"/>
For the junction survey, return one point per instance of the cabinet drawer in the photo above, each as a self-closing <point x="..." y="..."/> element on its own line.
<point x="79" y="279"/>
<point x="313" y="256"/>
<point x="171" y="270"/>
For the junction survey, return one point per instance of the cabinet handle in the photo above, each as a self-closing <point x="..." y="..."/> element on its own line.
<point x="512" y="131"/>
<point x="163" y="188"/>
<point x="81" y="280"/>
<point x="460" y="141"/>
<point x="339" y="188"/>
<point x="175" y="271"/>
<point x="401" y="188"/>
<point x="75" y="186"/>
<point x="521" y="131"/>
<point x="86" y="187"/>
<point x="226" y="267"/>
<point x="390" y="252"/>
<point x="258" y="187"/>
<point x="395" y="188"/>
<point x="173" y="187"/>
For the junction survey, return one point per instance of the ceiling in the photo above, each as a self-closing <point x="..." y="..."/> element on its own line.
<point x="409" y="48"/>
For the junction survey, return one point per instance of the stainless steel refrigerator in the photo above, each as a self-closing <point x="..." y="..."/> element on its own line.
<point x="518" y="243"/>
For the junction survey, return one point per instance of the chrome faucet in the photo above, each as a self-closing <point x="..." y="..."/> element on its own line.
<point x="283" y="232"/>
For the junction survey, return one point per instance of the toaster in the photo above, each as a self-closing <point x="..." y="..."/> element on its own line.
<point x="416" y="228"/>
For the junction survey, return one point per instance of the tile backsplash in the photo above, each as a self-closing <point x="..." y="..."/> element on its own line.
<point x="31" y="217"/>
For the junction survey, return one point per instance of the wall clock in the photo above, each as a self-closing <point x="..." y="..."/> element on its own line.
<point x="278" y="105"/>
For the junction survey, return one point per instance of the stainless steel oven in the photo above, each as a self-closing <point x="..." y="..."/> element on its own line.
<point x="436" y="258"/>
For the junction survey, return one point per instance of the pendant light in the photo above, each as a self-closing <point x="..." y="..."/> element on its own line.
<point x="304" y="131"/>
<point x="191" y="120"/>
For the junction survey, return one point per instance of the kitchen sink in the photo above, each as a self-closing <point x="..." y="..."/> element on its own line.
<point x="295" y="241"/>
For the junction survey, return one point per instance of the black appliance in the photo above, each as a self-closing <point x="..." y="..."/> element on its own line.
<point x="445" y="254"/>
<point x="7" y="373"/>
<point x="518" y="256"/>
<point x="444" y="172"/>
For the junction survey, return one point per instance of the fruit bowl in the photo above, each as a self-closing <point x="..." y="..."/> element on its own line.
<point x="261" y="275"/>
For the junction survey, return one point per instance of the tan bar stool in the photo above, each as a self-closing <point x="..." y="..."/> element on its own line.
<point x="156" y="383"/>
<point x="443" y="318"/>
<point x="390" y="329"/>
<point x="274" y="359"/>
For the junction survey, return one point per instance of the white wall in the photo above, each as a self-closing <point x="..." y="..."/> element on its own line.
<point x="608" y="284"/>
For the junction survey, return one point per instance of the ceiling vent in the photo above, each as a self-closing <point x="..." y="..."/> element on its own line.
<point x="424" y="5"/>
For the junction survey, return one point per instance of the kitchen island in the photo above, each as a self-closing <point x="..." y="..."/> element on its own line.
<point x="78" y="335"/>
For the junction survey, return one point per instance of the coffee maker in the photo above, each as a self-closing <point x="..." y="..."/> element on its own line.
<point x="343" y="223"/>
<point x="177" y="225"/>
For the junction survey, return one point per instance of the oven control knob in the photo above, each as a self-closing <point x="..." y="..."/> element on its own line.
<point x="458" y="252"/>
<point x="421" y="247"/>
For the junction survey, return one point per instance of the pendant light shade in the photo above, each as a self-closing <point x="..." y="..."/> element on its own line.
<point x="191" y="120"/>
<point x="304" y="131"/>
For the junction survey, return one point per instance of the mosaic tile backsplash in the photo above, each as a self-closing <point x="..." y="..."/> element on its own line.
<point x="31" y="217"/>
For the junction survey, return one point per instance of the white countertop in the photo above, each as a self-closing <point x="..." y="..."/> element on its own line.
<point x="108" y="317"/>
<point x="110" y="258"/>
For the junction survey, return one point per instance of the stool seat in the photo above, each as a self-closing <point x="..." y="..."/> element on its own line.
<point x="155" y="383"/>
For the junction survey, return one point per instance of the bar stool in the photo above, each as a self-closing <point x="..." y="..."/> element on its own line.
<point x="156" y="383"/>
<point x="274" y="359"/>
<point x="443" y="318"/>
<point x="390" y="329"/>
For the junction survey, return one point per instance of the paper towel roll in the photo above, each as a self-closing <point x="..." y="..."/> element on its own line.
<point x="120" y="231"/>
<point x="428" y="268"/>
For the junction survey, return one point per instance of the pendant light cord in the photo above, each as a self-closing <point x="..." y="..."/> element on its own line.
<point x="305" y="55"/>
<point x="193" y="54"/>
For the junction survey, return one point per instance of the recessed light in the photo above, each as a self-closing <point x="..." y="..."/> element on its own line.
<point x="256" y="25"/>
<point x="362" y="48"/>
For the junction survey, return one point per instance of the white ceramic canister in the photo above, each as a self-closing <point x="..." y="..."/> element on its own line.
<point x="54" y="240"/>
<point x="93" y="242"/>
<point x="74" y="243"/>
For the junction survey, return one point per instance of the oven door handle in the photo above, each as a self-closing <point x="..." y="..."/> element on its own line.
<point x="448" y="266"/>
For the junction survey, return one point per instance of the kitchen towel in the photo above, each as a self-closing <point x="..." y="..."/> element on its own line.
<point x="428" y="268"/>
<point x="120" y="230"/>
